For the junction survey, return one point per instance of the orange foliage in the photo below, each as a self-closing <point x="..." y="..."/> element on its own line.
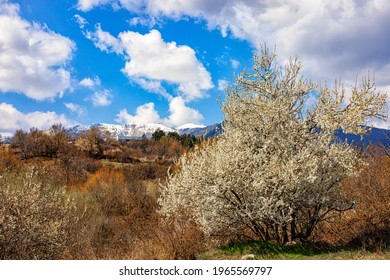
<point x="175" y="150"/>
<point x="8" y="160"/>
<point x="368" y="224"/>
<point x="105" y="178"/>
<point x="109" y="188"/>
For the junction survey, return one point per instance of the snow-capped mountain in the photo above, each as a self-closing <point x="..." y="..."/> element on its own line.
<point x="205" y="131"/>
<point x="189" y="126"/>
<point x="123" y="132"/>
<point x="136" y="131"/>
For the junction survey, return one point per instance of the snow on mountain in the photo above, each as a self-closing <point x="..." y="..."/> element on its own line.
<point x="206" y="131"/>
<point x="126" y="131"/>
<point x="189" y="126"/>
<point x="78" y="129"/>
<point x="136" y="131"/>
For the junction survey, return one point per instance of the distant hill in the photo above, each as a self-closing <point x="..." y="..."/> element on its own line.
<point x="376" y="136"/>
<point x="207" y="132"/>
<point x="136" y="131"/>
<point x="123" y="132"/>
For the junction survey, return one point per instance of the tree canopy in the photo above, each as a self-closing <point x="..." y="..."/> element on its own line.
<point x="276" y="170"/>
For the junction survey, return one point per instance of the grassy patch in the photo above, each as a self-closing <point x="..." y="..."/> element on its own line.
<point x="268" y="250"/>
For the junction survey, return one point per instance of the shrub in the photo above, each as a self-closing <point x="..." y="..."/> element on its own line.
<point x="368" y="225"/>
<point x="125" y="208"/>
<point x="35" y="218"/>
<point x="9" y="161"/>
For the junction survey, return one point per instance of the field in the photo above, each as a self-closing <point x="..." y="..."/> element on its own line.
<point x="74" y="199"/>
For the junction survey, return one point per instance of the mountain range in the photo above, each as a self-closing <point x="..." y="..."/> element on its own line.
<point x="137" y="131"/>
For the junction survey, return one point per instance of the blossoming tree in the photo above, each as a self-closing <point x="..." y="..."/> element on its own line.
<point x="275" y="171"/>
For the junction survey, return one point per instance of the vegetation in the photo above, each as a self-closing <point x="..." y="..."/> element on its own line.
<point x="276" y="171"/>
<point x="275" y="185"/>
<point x="259" y="250"/>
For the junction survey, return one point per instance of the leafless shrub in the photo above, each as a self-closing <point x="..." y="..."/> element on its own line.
<point x="35" y="218"/>
<point x="368" y="225"/>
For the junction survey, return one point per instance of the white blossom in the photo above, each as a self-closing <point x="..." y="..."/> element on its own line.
<point x="277" y="167"/>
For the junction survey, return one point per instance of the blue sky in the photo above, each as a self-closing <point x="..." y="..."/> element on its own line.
<point x="142" y="61"/>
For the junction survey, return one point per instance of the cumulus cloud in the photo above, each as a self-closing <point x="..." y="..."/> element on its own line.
<point x="150" y="60"/>
<point x="104" y="40"/>
<point x="179" y="114"/>
<point x="12" y="119"/>
<point x="333" y="39"/>
<point x="153" y="86"/>
<point x="79" y="110"/>
<point x="144" y="114"/>
<point x="86" y="5"/>
<point x="90" y="83"/>
<point x="32" y="57"/>
<point x="101" y="98"/>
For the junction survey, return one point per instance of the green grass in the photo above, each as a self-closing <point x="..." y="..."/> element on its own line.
<point x="271" y="251"/>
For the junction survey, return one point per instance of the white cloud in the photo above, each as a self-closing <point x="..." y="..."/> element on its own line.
<point x="144" y="21"/>
<point x="179" y="114"/>
<point x="104" y="40"/>
<point x="101" y="98"/>
<point x="9" y="8"/>
<point x="333" y="39"/>
<point x="79" y="110"/>
<point x="154" y="86"/>
<point x="90" y="83"/>
<point x="131" y="5"/>
<point x="82" y="22"/>
<point x="144" y="114"/>
<point x="12" y="119"/>
<point x="86" y="5"/>
<point x="154" y="59"/>
<point x="32" y="57"/>
<point x="151" y="60"/>
<point x="235" y="63"/>
<point x="222" y="84"/>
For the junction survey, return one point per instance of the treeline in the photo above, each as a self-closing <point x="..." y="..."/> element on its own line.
<point x="98" y="144"/>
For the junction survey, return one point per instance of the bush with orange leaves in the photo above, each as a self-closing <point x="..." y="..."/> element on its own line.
<point x="368" y="224"/>
<point x="109" y="188"/>
<point x="9" y="161"/>
<point x="130" y="227"/>
<point x="125" y="208"/>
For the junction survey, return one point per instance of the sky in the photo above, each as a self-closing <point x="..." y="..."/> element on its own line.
<point x="167" y="61"/>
